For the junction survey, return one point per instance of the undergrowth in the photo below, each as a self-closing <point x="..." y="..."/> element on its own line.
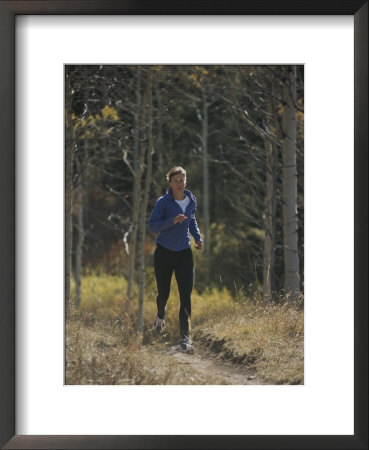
<point x="268" y="338"/>
<point x="103" y="347"/>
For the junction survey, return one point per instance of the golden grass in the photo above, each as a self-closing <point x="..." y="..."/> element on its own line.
<point x="267" y="337"/>
<point x="103" y="348"/>
<point x="104" y="297"/>
<point x="105" y="353"/>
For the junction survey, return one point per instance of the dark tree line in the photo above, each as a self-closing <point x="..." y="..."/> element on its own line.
<point x="238" y="131"/>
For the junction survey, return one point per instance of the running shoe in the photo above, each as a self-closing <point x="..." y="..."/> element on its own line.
<point x="186" y="344"/>
<point x="158" y="325"/>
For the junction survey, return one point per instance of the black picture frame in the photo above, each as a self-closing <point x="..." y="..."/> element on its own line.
<point x="8" y="11"/>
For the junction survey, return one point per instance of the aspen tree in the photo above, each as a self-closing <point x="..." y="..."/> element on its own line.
<point x="290" y="219"/>
<point x="69" y="150"/>
<point x="136" y="171"/>
<point x="144" y="203"/>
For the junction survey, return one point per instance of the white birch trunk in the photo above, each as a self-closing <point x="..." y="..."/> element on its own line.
<point x="80" y="236"/>
<point x="290" y="219"/>
<point x="136" y="194"/>
<point x="205" y="190"/>
<point x="270" y="208"/>
<point x="69" y="147"/>
<point x="160" y="148"/>
<point x="143" y="213"/>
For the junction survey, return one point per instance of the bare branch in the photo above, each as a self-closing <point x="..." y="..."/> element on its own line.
<point x="125" y="159"/>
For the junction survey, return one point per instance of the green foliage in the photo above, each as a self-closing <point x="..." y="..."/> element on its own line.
<point x="231" y="262"/>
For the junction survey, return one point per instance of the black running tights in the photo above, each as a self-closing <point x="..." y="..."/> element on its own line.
<point x="181" y="263"/>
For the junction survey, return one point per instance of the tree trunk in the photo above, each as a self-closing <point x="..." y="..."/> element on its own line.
<point x="290" y="219"/>
<point x="270" y="210"/>
<point x="205" y="190"/>
<point x="143" y="212"/>
<point x="136" y="193"/>
<point x="80" y="229"/>
<point x="80" y="235"/>
<point x="69" y="150"/>
<point x="160" y="150"/>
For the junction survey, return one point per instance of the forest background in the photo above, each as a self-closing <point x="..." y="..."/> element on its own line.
<point x="237" y="130"/>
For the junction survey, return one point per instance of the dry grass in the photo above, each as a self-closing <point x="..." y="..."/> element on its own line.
<point x="103" y="297"/>
<point x="268" y="338"/>
<point x="102" y="346"/>
<point x="105" y="353"/>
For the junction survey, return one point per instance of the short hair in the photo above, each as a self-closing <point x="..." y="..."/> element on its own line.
<point x="175" y="171"/>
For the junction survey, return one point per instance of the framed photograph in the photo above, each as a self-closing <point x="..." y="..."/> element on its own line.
<point x="44" y="45"/>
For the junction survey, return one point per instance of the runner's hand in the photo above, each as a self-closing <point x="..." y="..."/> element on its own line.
<point x="198" y="245"/>
<point x="180" y="218"/>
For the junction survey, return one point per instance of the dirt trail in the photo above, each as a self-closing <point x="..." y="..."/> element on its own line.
<point x="209" y="366"/>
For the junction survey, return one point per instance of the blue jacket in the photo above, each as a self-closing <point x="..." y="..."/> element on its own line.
<point x="172" y="236"/>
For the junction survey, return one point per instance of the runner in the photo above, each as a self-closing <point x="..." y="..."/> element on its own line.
<point x="173" y="217"/>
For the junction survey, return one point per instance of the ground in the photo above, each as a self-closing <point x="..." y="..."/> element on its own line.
<point x="209" y="366"/>
<point x="248" y="346"/>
